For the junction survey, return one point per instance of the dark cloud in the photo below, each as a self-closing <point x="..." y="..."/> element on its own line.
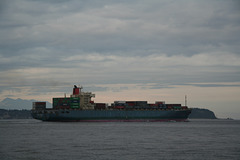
<point x="107" y="42"/>
<point x="108" y="27"/>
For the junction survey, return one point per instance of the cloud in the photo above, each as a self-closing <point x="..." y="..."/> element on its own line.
<point x="114" y="46"/>
<point x="109" y="27"/>
<point x="95" y="68"/>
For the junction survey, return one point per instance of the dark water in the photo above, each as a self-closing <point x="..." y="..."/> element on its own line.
<point x="197" y="139"/>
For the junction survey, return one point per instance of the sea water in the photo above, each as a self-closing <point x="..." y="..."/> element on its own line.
<point x="197" y="139"/>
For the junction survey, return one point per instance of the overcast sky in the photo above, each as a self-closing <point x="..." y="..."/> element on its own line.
<point x="123" y="50"/>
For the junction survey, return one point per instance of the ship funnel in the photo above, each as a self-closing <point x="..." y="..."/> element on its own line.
<point x="76" y="90"/>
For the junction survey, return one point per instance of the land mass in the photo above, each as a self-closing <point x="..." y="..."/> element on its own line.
<point x="198" y="113"/>
<point x="15" y="114"/>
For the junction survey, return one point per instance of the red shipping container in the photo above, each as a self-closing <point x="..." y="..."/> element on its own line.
<point x="159" y="102"/>
<point x="184" y="107"/>
<point x="119" y="107"/>
<point x="40" y="103"/>
<point x="131" y="103"/>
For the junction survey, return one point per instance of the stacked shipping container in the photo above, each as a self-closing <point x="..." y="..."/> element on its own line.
<point x="173" y="106"/>
<point x="39" y="105"/>
<point x="66" y="103"/>
<point x="100" y="106"/>
<point x="145" y="105"/>
<point x="75" y="102"/>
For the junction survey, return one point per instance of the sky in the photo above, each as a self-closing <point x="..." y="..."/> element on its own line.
<point x="123" y="50"/>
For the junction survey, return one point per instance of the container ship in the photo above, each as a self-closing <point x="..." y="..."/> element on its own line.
<point x="80" y="107"/>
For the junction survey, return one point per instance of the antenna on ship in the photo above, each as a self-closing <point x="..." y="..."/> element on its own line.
<point x="80" y="87"/>
<point x="185" y="100"/>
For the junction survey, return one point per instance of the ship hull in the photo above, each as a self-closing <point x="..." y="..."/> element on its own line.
<point x="111" y="115"/>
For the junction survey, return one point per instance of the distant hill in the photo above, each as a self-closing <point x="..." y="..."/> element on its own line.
<point x="198" y="113"/>
<point x="19" y="104"/>
<point x="15" y="114"/>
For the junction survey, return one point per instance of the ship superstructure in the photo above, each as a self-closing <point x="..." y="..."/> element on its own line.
<point x="78" y="100"/>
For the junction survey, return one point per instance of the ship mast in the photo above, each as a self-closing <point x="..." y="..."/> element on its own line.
<point x="185" y="100"/>
<point x="80" y="88"/>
